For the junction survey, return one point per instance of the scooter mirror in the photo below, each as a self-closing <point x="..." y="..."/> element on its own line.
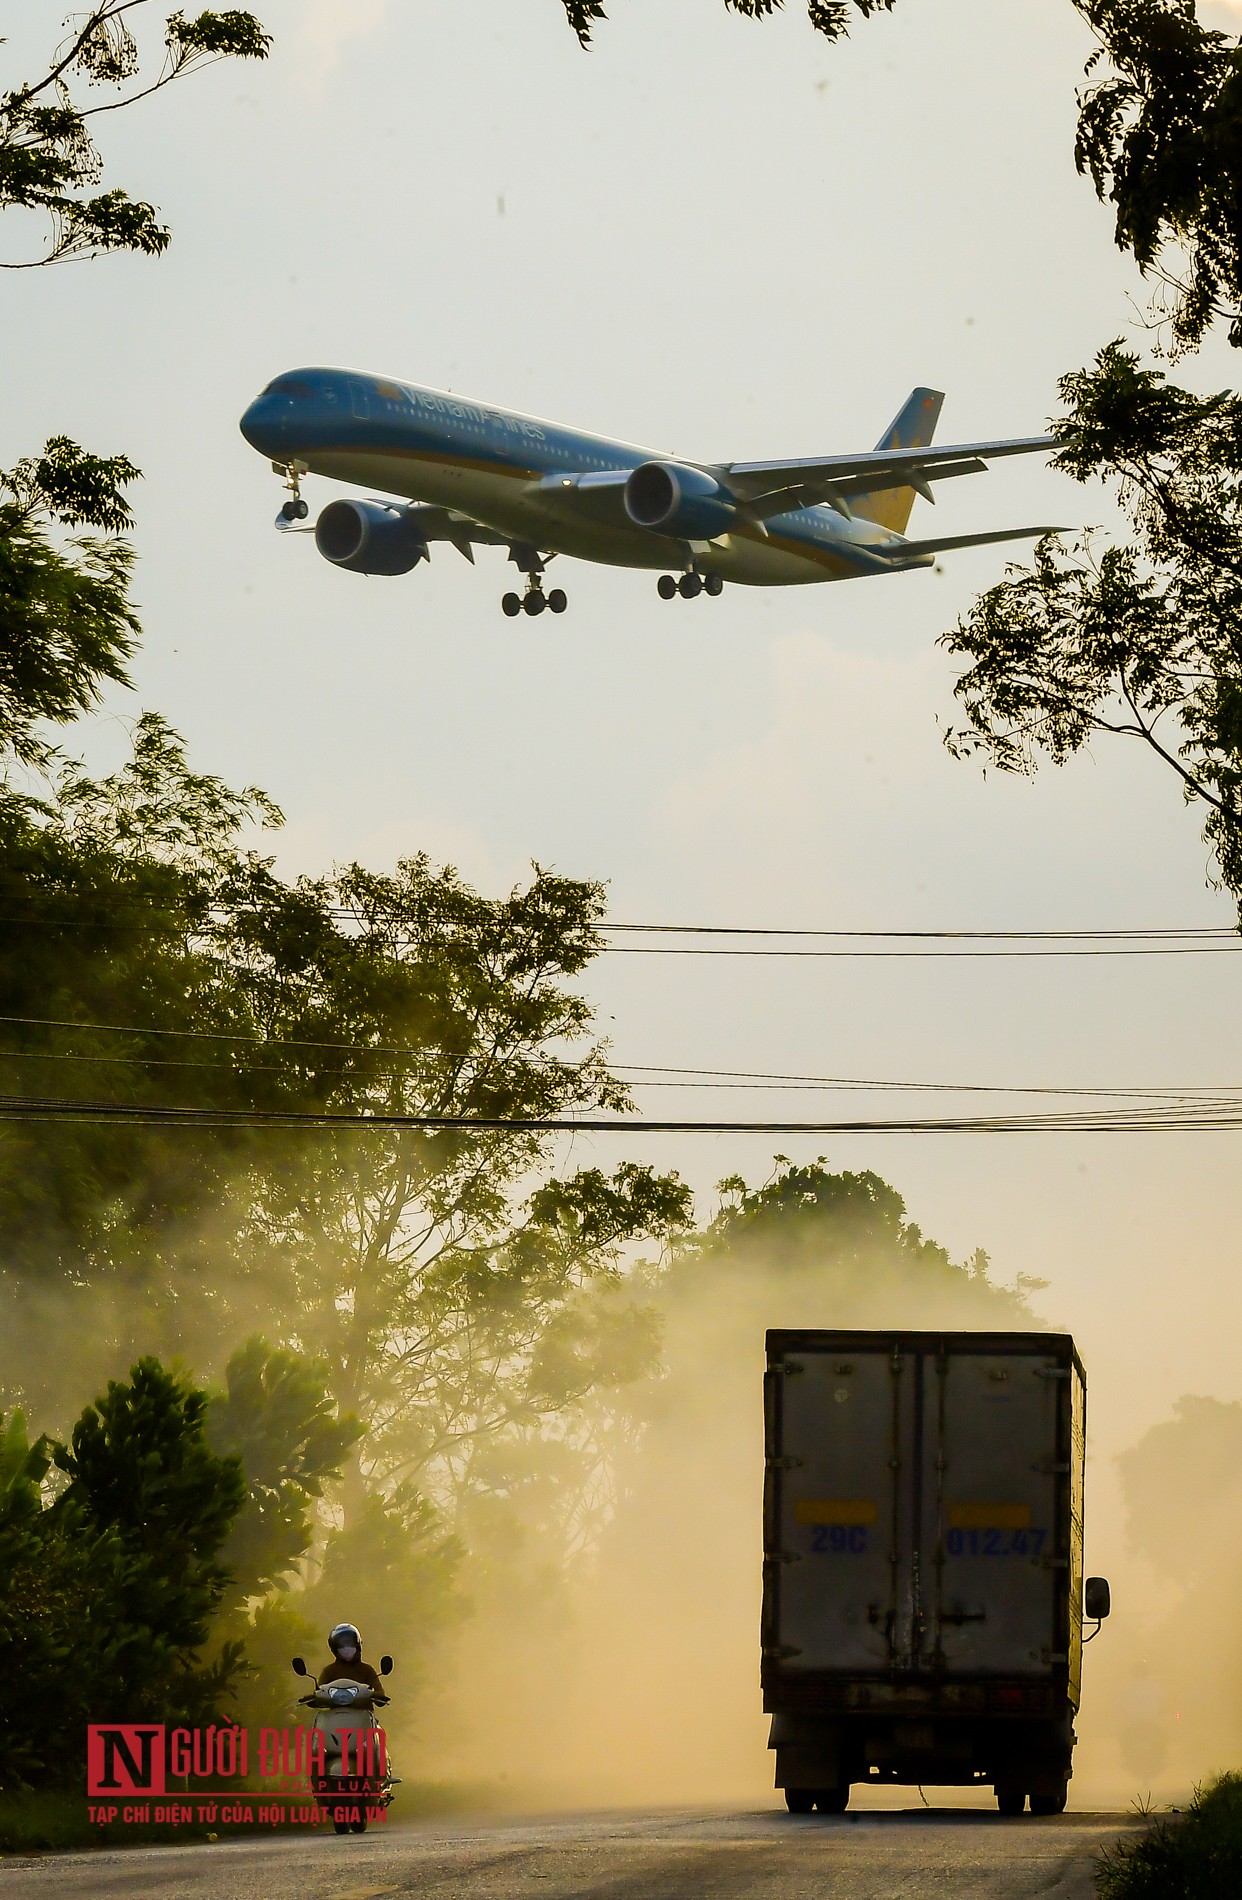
<point x="1097" y="1599"/>
<point x="298" y="1666"/>
<point x="385" y="1665"/>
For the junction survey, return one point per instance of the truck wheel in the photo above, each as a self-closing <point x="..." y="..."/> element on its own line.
<point x="832" y="1800"/>
<point x="1050" y="1803"/>
<point x="342" y="1827"/>
<point x="1011" y="1801"/>
<point x="799" y="1800"/>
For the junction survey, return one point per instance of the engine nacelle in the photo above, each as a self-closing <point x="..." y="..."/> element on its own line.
<point x="671" y="499"/>
<point x="367" y="538"/>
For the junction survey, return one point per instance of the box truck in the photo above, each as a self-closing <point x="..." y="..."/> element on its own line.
<point x="923" y="1596"/>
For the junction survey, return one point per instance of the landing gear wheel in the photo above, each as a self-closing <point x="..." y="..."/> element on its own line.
<point x="832" y="1800"/>
<point x="1011" y="1801"/>
<point x="714" y="586"/>
<point x="534" y="602"/>
<point x="666" y="587"/>
<point x="342" y="1827"/>
<point x="512" y="605"/>
<point x="358" y="1827"/>
<point x="1050" y="1803"/>
<point x="799" y="1800"/>
<point x="689" y="586"/>
<point x="557" y="600"/>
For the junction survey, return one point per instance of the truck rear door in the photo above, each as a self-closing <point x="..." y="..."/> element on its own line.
<point x="989" y="1517"/>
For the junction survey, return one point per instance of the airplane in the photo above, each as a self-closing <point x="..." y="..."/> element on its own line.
<point x="472" y="475"/>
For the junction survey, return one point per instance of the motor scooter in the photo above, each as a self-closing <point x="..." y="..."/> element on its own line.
<point x="350" y="1771"/>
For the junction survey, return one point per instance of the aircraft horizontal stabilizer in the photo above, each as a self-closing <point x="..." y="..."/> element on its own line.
<point x="943" y="544"/>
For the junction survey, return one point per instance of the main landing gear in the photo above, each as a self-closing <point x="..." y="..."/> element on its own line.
<point x="534" y="600"/>
<point x="690" y="585"/>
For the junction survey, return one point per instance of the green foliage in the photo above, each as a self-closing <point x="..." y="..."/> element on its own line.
<point x="107" y="1593"/>
<point x="1161" y="137"/>
<point x="276" y="1417"/>
<point x="1181" y="1857"/>
<point x="48" y="157"/>
<point x="423" y="1267"/>
<point x="72" y="487"/>
<point x="114" y="882"/>
<point x="66" y="626"/>
<point x="829" y="17"/>
<point x="845" y="1229"/>
<point x="141" y="1469"/>
<point x="1141" y="641"/>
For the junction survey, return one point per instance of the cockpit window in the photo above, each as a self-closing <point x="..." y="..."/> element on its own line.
<point x="288" y="386"/>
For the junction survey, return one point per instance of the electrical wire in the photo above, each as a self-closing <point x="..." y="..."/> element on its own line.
<point x="1142" y="941"/>
<point x="1194" y="1118"/>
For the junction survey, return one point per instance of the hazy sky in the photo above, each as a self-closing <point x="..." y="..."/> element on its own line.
<point x="727" y="240"/>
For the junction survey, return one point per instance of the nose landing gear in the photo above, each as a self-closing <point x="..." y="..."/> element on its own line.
<point x="295" y="509"/>
<point x="690" y="585"/>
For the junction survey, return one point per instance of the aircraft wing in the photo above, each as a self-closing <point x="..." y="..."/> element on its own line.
<point x="445" y="524"/>
<point x="772" y="488"/>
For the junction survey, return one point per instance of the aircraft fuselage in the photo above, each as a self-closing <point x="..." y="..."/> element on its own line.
<point x="535" y="482"/>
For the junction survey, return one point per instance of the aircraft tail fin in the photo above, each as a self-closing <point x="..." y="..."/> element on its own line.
<point x="912" y="428"/>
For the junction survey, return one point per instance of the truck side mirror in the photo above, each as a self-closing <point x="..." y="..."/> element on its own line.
<point x="298" y="1666"/>
<point x="385" y="1665"/>
<point x="1097" y="1599"/>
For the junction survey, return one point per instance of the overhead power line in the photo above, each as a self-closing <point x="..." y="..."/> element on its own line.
<point x="1195" y="940"/>
<point x="639" y="1075"/>
<point x="1195" y="1117"/>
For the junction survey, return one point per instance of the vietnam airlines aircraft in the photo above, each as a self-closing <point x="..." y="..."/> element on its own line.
<point x="469" y="474"/>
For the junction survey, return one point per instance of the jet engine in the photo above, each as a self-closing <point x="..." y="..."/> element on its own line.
<point x="368" y="538"/>
<point x="686" y="503"/>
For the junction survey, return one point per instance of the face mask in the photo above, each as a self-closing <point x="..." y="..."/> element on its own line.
<point x="347" y="1652"/>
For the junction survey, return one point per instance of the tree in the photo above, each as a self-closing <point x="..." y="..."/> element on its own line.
<point x="140" y="1467"/>
<point x="66" y="622"/>
<point x="829" y="17"/>
<point x="108" y="1591"/>
<point x="48" y="156"/>
<point x="1142" y="640"/>
<point x="445" y="1275"/>
<point x="276" y="1418"/>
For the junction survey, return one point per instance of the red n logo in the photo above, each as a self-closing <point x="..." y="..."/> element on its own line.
<point x="125" y="1758"/>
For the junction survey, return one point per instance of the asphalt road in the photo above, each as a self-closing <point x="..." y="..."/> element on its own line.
<point x="678" y="1854"/>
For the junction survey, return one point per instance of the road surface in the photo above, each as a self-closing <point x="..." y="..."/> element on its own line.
<point x="678" y="1854"/>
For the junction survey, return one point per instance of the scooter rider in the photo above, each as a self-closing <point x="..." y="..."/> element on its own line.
<point x="347" y="1665"/>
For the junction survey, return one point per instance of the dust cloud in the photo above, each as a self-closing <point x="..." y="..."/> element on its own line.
<point x="1162" y="1707"/>
<point x="634" y="1678"/>
<point x="638" y="1679"/>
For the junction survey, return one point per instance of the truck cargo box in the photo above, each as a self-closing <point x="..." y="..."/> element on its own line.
<point x="922" y="1580"/>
